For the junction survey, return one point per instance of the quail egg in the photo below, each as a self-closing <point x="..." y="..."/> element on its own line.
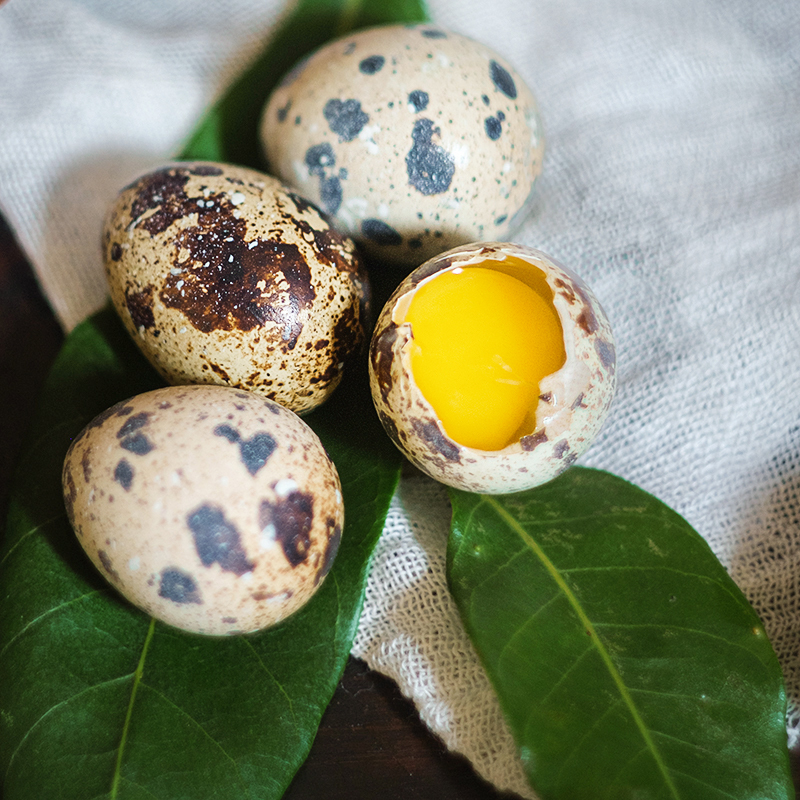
<point x="222" y="275"/>
<point x="212" y="509"/>
<point x="415" y="139"/>
<point x="492" y="367"/>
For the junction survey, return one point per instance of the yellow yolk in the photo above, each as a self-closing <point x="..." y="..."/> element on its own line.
<point x="482" y="342"/>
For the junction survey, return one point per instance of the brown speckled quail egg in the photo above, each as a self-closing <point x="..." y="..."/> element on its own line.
<point x="492" y="367"/>
<point x="222" y="275"/>
<point x="415" y="139"/>
<point x="212" y="509"/>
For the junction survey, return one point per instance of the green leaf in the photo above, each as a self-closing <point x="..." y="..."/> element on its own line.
<point x="627" y="662"/>
<point x="229" y="131"/>
<point x="97" y="700"/>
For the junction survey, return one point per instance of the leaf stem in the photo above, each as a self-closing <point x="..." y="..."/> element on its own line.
<point x="137" y="679"/>
<point x="590" y="629"/>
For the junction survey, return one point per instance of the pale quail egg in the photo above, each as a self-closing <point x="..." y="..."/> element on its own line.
<point x="212" y="509"/>
<point x="222" y="275"/>
<point x="492" y="367"/>
<point x="415" y="139"/>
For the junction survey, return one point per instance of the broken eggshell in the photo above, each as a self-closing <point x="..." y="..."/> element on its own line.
<point x="414" y="138"/>
<point x="574" y="401"/>
<point x="212" y="509"/>
<point x="222" y="275"/>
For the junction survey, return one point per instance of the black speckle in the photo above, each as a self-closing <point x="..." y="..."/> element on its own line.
<point x="502" y="80"/>
<point x="227" y="432"/>
<point x="132" y="438"/>
<point x="318" y="157"/>
<point x="378" y="231"/>
<point x="485" y="98"/>
<point x="432" y="33"/>
<point x="283" y="112"/>
<point x="179" y="587"/>
<point x="372" y="64"/>
<point x="140" y="307"/>
<point x="430" y="167"/>
<point x="138" y="444"/>
<point x="561" y="448"/>
<point x="501" y="219"/>
<point x="256" y="450"/>
<point x="132" y="424"/>
<point x="217" y="540"/>
<point x="108" y="565"/>
<point x="578" y="402"/>
<point x="205" y="170"/>
<point x="116" y="252"/>
<point x="291" y="519"/>
<point x="493" y="128"/>
<point x="429" y="432"/>
<point x="345" y="118"/>
<point x="533" y="440"/>
<point x="123" y="474"/>
<point x="415" y="243"/>
<point x="330" y="191"/>
<point x="418" y="100"/>
<point x="607" y="353"/>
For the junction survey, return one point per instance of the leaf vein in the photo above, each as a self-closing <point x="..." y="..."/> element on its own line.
<point x="247" y="643"/>
<point x="604" y="654"/>
<point x="44" y="615"/>
<point x="55" y="708"/>
<point x="137" y="679"/>
<point x="30" y="532"/>
<point x="705" y="783"/>
<point x="202" y="729"/>
<point x="682" y="628"/>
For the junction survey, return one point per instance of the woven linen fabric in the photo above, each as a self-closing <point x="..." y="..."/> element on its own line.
<point x="671" y="184"/>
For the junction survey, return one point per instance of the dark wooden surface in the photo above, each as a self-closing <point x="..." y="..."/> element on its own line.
<point x="371" y="744"/>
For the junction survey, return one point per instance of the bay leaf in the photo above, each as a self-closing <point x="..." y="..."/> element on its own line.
<point x="627" y="662"/>
<point x="229" y="131"/>
<point x="97" y="700"/>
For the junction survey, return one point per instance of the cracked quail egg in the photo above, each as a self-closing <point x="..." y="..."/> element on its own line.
<point x="223" y="275"/>
<point x="415" y="139"/>
<point x="212" y="509"/>
<point x="492" y="367"/>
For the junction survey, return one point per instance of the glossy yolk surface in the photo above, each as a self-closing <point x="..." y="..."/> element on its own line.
<point x="482" y="341"/>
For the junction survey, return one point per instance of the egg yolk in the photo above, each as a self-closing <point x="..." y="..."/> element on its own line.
<point x="482" y="342"/>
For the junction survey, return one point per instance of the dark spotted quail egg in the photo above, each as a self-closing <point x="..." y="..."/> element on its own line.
<point x="212" y="509"/>
<point x="492" y="367"/>
<point x="414" y="138"/>
<point x="222" y="275"/>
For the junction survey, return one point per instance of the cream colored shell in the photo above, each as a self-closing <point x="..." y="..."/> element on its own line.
<point x="210" y="508"/>
<point x="414" y="138"/>
<point x="222" y="275"/>
<point x="574" y="400"/>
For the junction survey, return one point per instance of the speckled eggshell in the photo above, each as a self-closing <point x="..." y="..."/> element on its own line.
<point x="573" y="404"/>
<point x="222" y="275"/>
<point x="212" y="509"/>
<point x="414" y="138"/>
